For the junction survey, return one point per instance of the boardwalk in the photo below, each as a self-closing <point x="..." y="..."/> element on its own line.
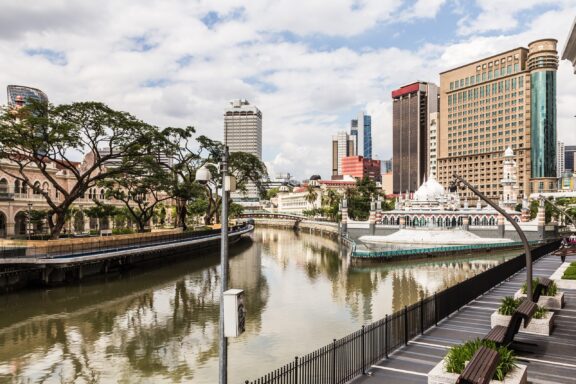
<point x="552" y="361"/>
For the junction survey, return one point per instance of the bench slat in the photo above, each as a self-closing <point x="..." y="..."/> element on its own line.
<point x="481" y="367"/>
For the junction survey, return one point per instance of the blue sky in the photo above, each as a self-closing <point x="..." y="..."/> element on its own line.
<point x="310" y="66"/>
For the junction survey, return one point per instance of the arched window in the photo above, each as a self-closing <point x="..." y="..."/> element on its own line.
<point x="45" y="187"/>
<point x="484" y="221"/>
<point x="17" y="186"/>
<point x="492" y="221"/>
<point x="3" y="186"/>
<point x="385" y="221"/>
<point x="447" y="222"/>
<point x="102" y="194"/>
<point x="476" y="221"/>
<point x="453" y="221"/>
<point x="36" y="190"/>
<point x="460" y="220"/>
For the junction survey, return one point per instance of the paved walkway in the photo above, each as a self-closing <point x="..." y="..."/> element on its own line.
<point x="553" y="361"/>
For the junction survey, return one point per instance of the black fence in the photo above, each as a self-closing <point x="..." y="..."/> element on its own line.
<point x="78" y="247"/>
<point x="344" y="359"/>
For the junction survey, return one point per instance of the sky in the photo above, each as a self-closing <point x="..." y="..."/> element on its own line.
<point x="309" y="65"/>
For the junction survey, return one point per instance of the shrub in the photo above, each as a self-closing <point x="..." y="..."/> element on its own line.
<point x="459" y="354"/>
<point x="509" y="305"/>
<point x="552" y="289"/>
<point x="122" y="231"/>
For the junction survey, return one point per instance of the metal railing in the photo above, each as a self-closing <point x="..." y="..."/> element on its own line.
<point x="346" y="358"/>
<point x="75" y="247"/>
<point x="418" y="251"/>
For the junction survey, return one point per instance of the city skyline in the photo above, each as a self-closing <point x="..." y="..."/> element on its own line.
<point x="308" y="74"/>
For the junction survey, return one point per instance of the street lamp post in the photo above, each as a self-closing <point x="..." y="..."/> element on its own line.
<point x="29" y="220"/>
<point x="203" y="175"/>
<point x="458" y="181"/>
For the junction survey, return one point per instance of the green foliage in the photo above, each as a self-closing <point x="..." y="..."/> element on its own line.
<point x="552" y="289"/>
<point x="272" y="193"/>
<point x="510" y="304"/>
<point x="122" y="231"/>
<point x="570" y="273"/>
<point x="459" y="354"/>
<point x="235" y="210"/>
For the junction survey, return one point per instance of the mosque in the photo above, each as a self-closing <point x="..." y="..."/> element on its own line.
<point x="432" y="206"/>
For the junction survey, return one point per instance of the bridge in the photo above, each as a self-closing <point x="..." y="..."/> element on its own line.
<point x="272" y="215"/>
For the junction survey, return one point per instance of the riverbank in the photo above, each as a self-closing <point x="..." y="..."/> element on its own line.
<point x="46" y="269"/>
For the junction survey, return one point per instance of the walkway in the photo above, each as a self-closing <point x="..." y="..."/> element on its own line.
<point x="553" y="361"/>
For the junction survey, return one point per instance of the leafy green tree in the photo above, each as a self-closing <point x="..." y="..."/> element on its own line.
<point x="311" y="194"/>
<point x="142" y="190"/>
<point x="272" y="193"/>
<point x="41" y="136"/>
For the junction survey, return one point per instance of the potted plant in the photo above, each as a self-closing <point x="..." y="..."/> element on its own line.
<point x="565" y="276"/>
<point x="541" y="323"/>
<point x="552" y="300"/>
<point x="448" y="370"/>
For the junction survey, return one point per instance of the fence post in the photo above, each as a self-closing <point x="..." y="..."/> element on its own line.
<point x="386" y="335"/>
<point x="296" y="370"/>
<point x="435" y="308"/>
<point x="363" y="352"/>
<point x="405" y="325"/>
<point x="334" y="361"/>
<point x="421" y="316"/>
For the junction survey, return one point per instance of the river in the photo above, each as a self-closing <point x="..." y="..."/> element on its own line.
<point x="160" y="325"/>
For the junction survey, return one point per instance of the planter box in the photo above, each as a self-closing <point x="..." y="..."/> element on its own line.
<point x="560" y="282"/>
<point x="438" y="375"/>
<point x="536" y="326"/>
<point x="548" y="302"/>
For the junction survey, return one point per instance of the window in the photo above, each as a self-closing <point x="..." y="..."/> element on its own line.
<point x="467" y="81"/>
<point x="516" y="67"/>
<point x="451" y="85"/>
<point x="509" y="69"/>
<point x="483" y="76"/>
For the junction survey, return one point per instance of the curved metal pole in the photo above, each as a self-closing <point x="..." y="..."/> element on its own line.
<point x="516" y="227"/>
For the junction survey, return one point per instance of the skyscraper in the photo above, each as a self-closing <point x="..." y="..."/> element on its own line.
<point x="19" y="95"/>
<point x="411" y="109"/>
<point x="508" y="99"/>
<point x="362" y="129"/>
<point x="243" y="133"/>
<point x="343" y="145"/>
<point x="569" y="157"/>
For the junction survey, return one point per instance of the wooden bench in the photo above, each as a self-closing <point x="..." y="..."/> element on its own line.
<point x="481" y="367"/>
<point x="541" y="288"/>
<point x="503" y="336"/>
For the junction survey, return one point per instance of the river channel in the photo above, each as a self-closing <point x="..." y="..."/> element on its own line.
<point x="160" y="325"/>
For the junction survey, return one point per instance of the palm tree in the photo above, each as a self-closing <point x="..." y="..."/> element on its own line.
<point x="312" y="194"/>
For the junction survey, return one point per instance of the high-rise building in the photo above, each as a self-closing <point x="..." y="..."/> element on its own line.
<point x="343" y="145"/>
<point x="569" y="158"/>
<point x="569" y="52"/>
<point x="508" y="99"/>
<point x="243" y="133"/>
<point x="19" y="95"/>
<point x="362" y="129"/>
<point x="360" y="168"/>
<point x="432" y="144"/>
<point x="560" y="160"/>
<point x="412" y="106"/>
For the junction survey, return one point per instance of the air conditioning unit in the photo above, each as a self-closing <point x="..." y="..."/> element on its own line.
<point x="234" y="313"/>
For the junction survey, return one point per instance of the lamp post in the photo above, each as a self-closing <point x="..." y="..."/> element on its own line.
<point x="203" y="176"/>
<point x="458" y="181"/>
<point x="29" y="220"/>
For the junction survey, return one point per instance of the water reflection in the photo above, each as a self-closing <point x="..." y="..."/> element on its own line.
<point x="160" y="325"/>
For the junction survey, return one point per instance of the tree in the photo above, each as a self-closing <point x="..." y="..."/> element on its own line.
<point x="311" y="194"/>
<point x="142" y="190"/>
<point x="46" y="138"/>
<point x="272" y="193"/>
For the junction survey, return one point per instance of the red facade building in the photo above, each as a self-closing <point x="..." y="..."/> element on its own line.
<point x="359" y="167"/>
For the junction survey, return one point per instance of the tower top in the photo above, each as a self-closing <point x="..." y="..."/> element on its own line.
<point x="509" y="152"/>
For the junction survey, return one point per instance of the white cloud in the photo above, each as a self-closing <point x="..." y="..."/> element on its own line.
<point x="159" y="61"/>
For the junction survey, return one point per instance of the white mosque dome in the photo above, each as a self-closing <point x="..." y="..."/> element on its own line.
<point x="509" y="152"/>
<point x="430" y="190"/>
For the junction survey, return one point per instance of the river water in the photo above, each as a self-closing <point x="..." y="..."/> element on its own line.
<point x="160" y="325"/>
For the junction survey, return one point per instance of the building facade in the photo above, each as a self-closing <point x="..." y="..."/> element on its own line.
<point x="18" y="94"/>
<point x="361" y="128"/>
<point x="343" y="145"/>
<point x="243" y="133"/>
<point x="569" y="52"/>
<point x="560" y="159"/>
<point x="503" y="100"/>
<point x="569" y="158"/>
<point x="432" y="143"/>
<point x="412" y="106"/>
<point x="360" y="167"/>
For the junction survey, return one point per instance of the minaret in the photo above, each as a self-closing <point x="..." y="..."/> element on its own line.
<point x="509" y="182"/>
